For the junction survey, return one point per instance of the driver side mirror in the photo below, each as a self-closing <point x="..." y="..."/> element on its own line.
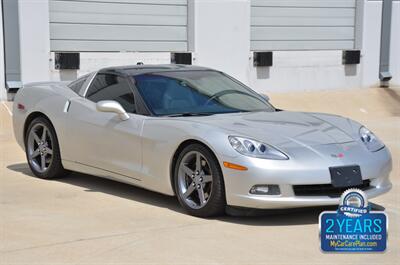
<point x="112" y="106"/>
<point x="264" y="96"/>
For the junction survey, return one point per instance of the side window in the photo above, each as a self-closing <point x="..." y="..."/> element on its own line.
<point x="77" y="84"/>
<point x="112" y="87"/>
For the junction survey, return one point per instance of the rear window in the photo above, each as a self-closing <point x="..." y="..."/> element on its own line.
<point x="77" y="84"/>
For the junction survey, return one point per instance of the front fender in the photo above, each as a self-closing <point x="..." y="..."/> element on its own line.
<point x="162" y="138"/>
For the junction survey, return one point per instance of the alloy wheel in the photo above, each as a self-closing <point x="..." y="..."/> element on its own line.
<point x="40" y="147"/>
<point x="195" y="180"/>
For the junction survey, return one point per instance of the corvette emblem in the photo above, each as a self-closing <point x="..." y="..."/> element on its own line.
<point x="340" y="155"/>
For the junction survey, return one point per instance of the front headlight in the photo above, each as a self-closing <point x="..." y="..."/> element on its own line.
<point x="253" y="148"/>
<point x="372" y="142"/>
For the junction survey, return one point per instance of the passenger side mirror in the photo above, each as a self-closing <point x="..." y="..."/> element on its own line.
<point x="264" y="96"/>
<point x="112" y="106"/>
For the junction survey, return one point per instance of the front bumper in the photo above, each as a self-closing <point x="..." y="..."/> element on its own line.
<point x="375" y="167"/>
<point x="285" y="201"/>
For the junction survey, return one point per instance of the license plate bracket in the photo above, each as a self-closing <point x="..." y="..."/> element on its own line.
<point x="345" y="176"/>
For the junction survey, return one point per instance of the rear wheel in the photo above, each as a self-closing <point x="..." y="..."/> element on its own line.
<point x="42" y="150"/>
<point x="198" y="182"/>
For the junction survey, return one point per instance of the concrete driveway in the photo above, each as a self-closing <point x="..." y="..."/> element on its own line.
<point x="82" y="219"/>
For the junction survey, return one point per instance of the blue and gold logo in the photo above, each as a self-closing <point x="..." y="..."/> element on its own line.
<point x="353" y="227"/>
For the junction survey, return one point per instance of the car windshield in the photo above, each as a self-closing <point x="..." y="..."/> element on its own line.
<point x="192" y="93"/>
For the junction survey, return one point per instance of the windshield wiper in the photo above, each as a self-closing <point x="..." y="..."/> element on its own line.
<point x="190" y="114"/>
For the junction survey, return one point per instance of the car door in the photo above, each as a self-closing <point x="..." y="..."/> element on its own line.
<point x="102" y="140"/>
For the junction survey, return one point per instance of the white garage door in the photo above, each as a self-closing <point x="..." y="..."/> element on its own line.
<point x="303" y="24"/>
<point x="123" y="25"/>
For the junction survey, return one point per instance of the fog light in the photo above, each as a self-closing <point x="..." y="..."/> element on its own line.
<point x="265" y="190"/>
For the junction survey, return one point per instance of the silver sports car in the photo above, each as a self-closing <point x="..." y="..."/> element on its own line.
<point x="198" y="134"/>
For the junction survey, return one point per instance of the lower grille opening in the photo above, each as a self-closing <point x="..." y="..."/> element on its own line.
<point x="326" y="189"/>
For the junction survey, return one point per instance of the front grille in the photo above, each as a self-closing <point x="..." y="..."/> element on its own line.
<point x="326" y="189"/>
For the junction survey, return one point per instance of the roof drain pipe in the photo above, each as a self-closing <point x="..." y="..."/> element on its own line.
<point x="384" y="60"/>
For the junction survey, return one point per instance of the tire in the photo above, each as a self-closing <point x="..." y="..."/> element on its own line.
<point x="39" y="147"/>
<point x="191" y="181"/>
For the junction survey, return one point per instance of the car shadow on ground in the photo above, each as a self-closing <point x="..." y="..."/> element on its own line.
<point x="301" y="216"/>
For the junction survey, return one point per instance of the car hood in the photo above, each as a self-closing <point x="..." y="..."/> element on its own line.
<point x="285" y="128"/>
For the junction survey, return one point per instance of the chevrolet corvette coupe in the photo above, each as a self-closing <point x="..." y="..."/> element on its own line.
<point x="198" y="134"/>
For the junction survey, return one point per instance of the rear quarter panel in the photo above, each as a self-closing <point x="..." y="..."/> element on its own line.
<point x="46" y="98"/>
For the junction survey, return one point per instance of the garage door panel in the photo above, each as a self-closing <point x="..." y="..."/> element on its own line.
<point x="301" y="12"/>
<point x="302" y="45"/>
<point x="116" y="19"/>
<point x="304" y="21"/>
<point x="302" y="33"/>
<point x="105" y="25"/>
<point x="104" y="46"/>
<point x="157" y="2"/>
<point x="305" y="3"/>
<point x="120" y="32"/>
<point x="302" y="25"/>
<point x="116" y="8"/>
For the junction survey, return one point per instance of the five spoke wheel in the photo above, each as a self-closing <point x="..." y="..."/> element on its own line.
<point x="195" y="180"/>
<point x="40" y="147"/>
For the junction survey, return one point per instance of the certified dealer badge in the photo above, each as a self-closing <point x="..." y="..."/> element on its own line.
<point x="353" y="227"/>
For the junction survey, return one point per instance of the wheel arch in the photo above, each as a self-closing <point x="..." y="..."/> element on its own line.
<point x="55" y="168"/>
<point x="182" y="146"/>
<point x="33" y="116"/>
